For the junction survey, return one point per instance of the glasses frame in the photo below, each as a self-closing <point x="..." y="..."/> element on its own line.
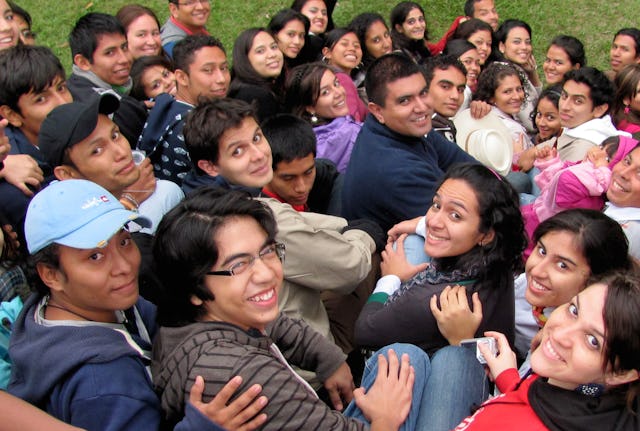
<point x="280" y="253"/>
<point x="189" y="3"/>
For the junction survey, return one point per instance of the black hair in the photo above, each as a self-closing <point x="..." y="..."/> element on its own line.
<point x="416" y="48"/>
<point x="139" y="66"/>
<point x="184" y="50"/>
<point x="284" y="17"/>
<point x="457" y="47"/>
<point x="499" y="210"/>
<point x="490" y="78"/>
<point x="47" y="256"/>
<point x="509" y="24"/>
<point x="441" y="62"/>
<point x="207" y="122"/>
<point x="601" y="88"/>
<point x="290" y="138"/>
<point x="243" y="71"/>
<point x="470" y="7"/>
<point x="384" y="70"/>
<point x="360" y="25"/>
<point x="626" y="84"/>
<point x="24" y="69"/>
<point x="17" y="10"/>
<point x="185" y="247"/>
<point x="88" y="29"/>
<point x="600" y="239"/>
<point x="572" y="47"/>
<point x="470" y="27"/>
<point x="634" y="34"/>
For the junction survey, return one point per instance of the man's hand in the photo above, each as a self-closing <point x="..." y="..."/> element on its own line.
<point x="239" y="415"/>
<point x="22" y="171"/>
<point x="340" y="386"/>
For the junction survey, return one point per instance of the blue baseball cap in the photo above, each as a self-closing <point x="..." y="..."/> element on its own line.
<point x="75" y="213"/>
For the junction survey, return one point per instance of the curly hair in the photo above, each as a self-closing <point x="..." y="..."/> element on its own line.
<point x="360" y="25"/>
<point x="491" y="77"/>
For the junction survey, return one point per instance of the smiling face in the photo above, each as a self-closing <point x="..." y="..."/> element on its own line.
<point x="556" y="64"/>
<point x="482" y="40"/>
<point x="413" y="26"/>
<point x="623" y="52"/>
<point x="332" y="100"/>
<point x="111" y="61"/>
<point x="96" y="282"/>
<point x="485" y="10"/>
<point x="250" y="299"/>
<point x="471" y="61"/>
<point x="194" y="15"/>
<point x="207" y="76"/>
<point x="509" y="95"/>
<point x="244" y="156"/>
<point x="556" y="270"/>
<point x="517" y="46"/>
<point x="316" y="11"/>
<point x="265" y="56"/>
<point x="547" y="119"/>
<point x="103" y="157"/>
<point x="143" y="37"/>
<point x="345" y="54"/>
<point x="408" y="107"/>
<point x="291" y="38"/>
<point x="158" y="79"/>
<point x="293" y="180"/>
<point x="576" y="105"/>
<point x="447" y="91"/>
<point x="571" y="350"/>
<point x="378" y="39"/>
<point x="624" y="190"/>
<point x="453" y="221"/>
<point x="9" y="35"/>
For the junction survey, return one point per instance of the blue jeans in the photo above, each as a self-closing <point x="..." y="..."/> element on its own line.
<point x="414" y="249"/>
<point x="445" y="389"/>
<point x="419" y="361"/>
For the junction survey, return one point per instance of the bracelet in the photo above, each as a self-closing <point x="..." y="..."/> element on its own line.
<point x="129" y="202"/>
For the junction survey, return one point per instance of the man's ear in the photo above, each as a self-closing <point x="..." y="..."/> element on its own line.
<point x="621" y="377"/>
<point x="66" y="172"/>
<point x="182" y="78"/>
<point x="50" y="276"/>
<point x="600" y="110"/>
<point x="173" y="10"/>
<point x="209" y="167"/>
<point x="12" y="116"/>
<point x="376" y="111"/>
<point x="82" y="62"/>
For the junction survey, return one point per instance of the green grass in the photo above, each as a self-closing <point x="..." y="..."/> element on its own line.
<point x="592" y="21"/>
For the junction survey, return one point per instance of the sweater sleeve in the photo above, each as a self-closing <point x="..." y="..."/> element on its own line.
<point x="508" y="380"/>
<point x="438" y="47"/>
<point x="319" y="256"/>
<point x="301" y="345"/>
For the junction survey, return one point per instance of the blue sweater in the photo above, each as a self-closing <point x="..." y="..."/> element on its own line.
<point x="89" y="376"/>
<point x="392" y="177"/>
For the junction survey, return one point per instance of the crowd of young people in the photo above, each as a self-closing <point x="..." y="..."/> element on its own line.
<point x="424" y="192"/>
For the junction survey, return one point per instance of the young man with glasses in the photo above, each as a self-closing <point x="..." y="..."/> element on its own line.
<point x="187" y="17"/>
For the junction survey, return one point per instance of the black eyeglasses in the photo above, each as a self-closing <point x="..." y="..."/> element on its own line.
<point x="242" y="263"/>
<point x="190" y="3"/>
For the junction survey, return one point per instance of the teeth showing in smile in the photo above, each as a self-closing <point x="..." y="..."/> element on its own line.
<point x="552" y="351"/>
<point x="538" y="286"/>
<point x="616" y="185"/>
<point x="263" y="297"/>
<point x="436" y="238"/>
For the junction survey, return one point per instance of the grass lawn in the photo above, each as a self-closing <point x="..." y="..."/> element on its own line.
<point x="592" y="21"/>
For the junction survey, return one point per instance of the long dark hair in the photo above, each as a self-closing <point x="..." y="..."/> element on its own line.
<point x="499" y="210"/>
<point x="416" y="48"/>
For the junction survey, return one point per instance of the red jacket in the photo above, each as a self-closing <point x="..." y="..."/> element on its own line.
<point x="509" y="411"/>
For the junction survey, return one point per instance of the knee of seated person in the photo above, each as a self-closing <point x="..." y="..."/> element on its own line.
<point x="417" y="356"/>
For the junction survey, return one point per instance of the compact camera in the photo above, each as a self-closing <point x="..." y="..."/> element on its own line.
<point x="472" y="344"/>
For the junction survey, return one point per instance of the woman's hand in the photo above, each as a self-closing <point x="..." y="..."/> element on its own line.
<point x="456" y="321"/>
<point x="407" y="226"/>
<point x="239" y="415"/>
<point x="505" y="359"/>
<point x="395" y="262"/>
<point x="597" y="156"/>
<point x="388" y="401"/>
<point x="479" y="109"/>
<point x="340" y="386"/>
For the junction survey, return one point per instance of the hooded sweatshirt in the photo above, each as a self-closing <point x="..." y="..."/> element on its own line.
<point x="89" y="374"/>
<point x="574" y="143"/>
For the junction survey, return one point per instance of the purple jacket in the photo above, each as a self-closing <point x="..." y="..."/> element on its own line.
<point x="336" y="139"/>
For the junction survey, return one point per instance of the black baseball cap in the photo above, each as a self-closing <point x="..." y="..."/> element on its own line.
<point x="70" y="123"/>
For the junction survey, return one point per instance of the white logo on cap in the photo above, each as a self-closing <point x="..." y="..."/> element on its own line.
<point x="95" y="202"/>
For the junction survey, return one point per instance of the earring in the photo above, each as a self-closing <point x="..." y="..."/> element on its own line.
<point x="314" y="119"/>
<point x="626" y="109"/>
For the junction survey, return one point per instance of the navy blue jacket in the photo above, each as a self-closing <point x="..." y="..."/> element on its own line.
<point x="392" y="177"/>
